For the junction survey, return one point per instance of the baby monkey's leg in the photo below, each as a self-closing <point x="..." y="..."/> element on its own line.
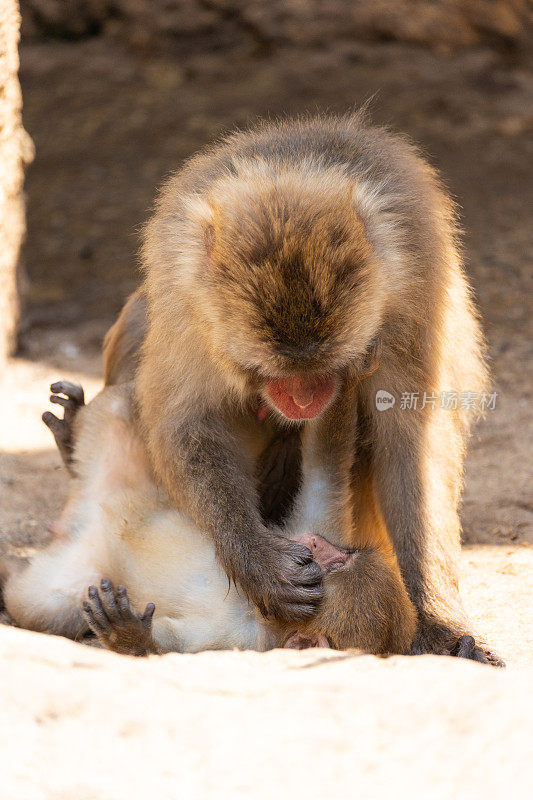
<point x="61" y="429"/>
<point x="111" y="618"/>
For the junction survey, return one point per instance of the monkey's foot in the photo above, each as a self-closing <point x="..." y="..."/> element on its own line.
<point x="72" y="401"/>
<point x="303" y="641"/>
<point x="466" y="647"/>
<point x="440" y="640"/>
<point x="111" y="618"/>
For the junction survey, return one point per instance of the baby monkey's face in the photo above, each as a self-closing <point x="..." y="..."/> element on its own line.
<point x="327" y="555"/>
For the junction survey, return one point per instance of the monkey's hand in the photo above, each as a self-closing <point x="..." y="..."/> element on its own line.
<point x="282" y="579"/>
<point x="61" y="429"/>
<point x="444" y="639"/>
<point x="111" y="618"/>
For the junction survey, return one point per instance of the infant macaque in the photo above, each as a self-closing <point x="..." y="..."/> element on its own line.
<point x="118" y="529"/>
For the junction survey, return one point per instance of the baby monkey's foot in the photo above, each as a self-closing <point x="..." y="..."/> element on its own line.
<point x="72" y="401"/>
<point x="303" y="641"/>
<point x="110" y="616"/>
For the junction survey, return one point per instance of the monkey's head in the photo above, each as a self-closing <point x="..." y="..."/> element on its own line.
<point x="288" y="284"/>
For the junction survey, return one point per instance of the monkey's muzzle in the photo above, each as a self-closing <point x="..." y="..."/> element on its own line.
<point x="301" y="397"/>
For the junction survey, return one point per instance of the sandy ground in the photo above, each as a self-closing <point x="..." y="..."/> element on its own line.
<point x="108" y="126"/>
<point x="92" y="725"/>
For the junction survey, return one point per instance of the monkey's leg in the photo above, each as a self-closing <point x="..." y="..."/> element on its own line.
<point x="365" y="606"/>
<point x="61" y="429"/>
<point x="110" y="617"/>
<point x="44" y="595"/>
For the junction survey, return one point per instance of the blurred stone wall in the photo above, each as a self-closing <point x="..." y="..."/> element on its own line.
<point x="15" y="148"/>
<point x="160" y="24"/>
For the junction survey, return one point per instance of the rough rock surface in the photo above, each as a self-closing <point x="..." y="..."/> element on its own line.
<point x="15" y="147"/>
<point x="254" y="24"/>
<point x="83" y="723"/>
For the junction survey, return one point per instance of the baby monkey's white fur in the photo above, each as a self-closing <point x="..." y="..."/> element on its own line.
<point x="118" y="524"/>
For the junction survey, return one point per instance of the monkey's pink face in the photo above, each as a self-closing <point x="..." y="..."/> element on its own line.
<point x="301" y="397"/>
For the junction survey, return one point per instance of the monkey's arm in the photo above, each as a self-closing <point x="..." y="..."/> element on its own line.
<point x="417" y="495"/>
<point x="201" y="464"/>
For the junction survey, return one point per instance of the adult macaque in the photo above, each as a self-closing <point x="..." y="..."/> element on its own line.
<point x="119" y="529"/>
<point x="283" y="266"/>
<point x="291" y="273"/>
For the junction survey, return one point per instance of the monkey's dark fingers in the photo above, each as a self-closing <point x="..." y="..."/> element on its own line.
<point x="58" y="426"/>
<point x="294" y="603"/>
<point x="117" y="626"/>
<point x="94" y="613"/>
<point x="147" y="617"/>
<point x="61" y="432"/>
<point x="308" y="575"/>
<point x="66" y="402"/>
<point x="123" y="603"/>
<point x="72" y="390"/>
<point x="72" y="401"/>
<point x="115" y="605"/>
<point x="303" y="587"/>
<point x="70" y="407"/>
<point x="299" y="553"/>
<point x="290" y="612"/>
<point x="466" y="647"/>
<point x="91" y="620"/>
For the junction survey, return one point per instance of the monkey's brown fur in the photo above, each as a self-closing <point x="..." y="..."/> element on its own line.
<point x="298" y="249"/>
